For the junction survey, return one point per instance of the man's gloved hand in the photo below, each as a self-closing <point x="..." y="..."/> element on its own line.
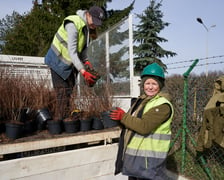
<point x="88" y="64"/>
<point x="117" y="114"/>
<point x="89" y="78"/>
<point x="89" y="68"/>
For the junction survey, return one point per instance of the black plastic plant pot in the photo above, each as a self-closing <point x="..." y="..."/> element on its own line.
<point x="54" y="126"/>
<point x="42" y="116"/>
<point x="2" y="127"/>
<point x="86" y="124"/>
<point x="22" y="114"/>
<point x="29" y="127"/>
<point x="71" y="126"/>
<point x="107" y="121"/>
<point x="13" y="130"/>
<point x="97" y="123"/>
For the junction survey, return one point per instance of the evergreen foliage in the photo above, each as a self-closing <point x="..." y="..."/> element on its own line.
<point x="148" y="49"/>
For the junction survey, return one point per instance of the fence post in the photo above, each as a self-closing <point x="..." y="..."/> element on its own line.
<point x="184" y="129"/>
<point x="186" y="74"/>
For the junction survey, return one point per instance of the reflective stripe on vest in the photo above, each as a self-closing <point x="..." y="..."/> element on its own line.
<point x="59" y="44"/>
<point x="156" y="144"/>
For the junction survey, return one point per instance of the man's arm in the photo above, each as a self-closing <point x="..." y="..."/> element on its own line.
<point x="72" y="45"/>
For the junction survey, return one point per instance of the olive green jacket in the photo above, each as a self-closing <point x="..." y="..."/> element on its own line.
<point x="212" y="129"/>
<point x="149" y="122"/>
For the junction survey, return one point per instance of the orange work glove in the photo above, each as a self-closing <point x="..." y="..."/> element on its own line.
<point x="117" y="114"/>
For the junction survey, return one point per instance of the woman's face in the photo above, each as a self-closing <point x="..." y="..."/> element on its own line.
<point x="151" y="87"/>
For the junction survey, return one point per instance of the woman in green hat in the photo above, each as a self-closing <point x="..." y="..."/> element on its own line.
<point x="146" y="132"/>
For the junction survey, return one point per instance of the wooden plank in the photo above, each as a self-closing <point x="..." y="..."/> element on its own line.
<point x="76" y="164"/>
<point x="60" y="141"/>
<point x="92" y="163"/>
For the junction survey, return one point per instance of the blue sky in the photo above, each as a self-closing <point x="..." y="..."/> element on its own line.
<point x="188" y="38"/>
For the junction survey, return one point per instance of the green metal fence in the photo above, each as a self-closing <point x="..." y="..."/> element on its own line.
<point x="190" y="95"/>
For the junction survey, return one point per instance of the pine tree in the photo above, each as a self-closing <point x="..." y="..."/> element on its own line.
<point x="146" y="36"/>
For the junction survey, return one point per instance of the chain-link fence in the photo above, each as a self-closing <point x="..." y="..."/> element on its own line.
<point x="184" y="158"/>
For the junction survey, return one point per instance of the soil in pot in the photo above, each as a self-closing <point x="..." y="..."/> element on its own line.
<point x="54" y="126"/>
<point x="14" y="130"/>
<point x="71" y="125"/>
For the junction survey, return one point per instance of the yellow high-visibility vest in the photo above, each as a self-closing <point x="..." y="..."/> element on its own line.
<point x="156" y="144"/>
<point x="60" y="41"/>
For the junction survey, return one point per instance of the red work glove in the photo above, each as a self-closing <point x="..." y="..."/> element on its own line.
<point x="88" y="64"/>
<point x="117" y="114"/>
<point x="89" y="78"/>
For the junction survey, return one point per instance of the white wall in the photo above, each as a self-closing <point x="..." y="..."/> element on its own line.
<point x="95" y="163"/>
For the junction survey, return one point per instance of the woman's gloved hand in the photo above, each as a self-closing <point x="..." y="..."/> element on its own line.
<point x="117" y="114"/>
